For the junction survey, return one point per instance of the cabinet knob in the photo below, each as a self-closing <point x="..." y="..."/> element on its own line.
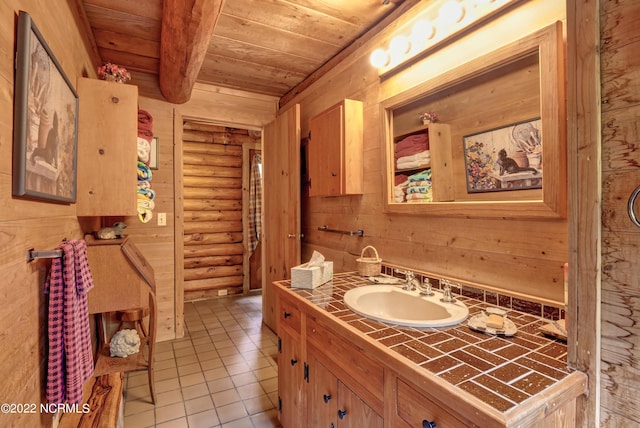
<point x="291" y="235"/>
<point x="334" y="174"/>
<point x="115" y="100"/>
<point x="286" y="314"/>
<point x="342" y="413"/>
<point x="326" y="398"/>
<point x="428" y="424"/>
<point x="294" y="361"/>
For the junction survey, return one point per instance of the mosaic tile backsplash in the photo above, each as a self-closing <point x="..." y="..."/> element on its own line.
<point x="501" y="371"/>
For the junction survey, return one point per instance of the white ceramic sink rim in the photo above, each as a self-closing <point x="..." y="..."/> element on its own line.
<point x="392" y="304"/>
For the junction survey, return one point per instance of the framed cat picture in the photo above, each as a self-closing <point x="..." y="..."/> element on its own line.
<point x="505" y="158"/>
<point x="45" y="128"/>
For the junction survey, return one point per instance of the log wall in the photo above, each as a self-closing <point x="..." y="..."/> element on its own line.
<point x="212" y="211"/>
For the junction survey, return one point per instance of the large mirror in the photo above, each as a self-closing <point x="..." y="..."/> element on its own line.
<point x="498" y="145"/>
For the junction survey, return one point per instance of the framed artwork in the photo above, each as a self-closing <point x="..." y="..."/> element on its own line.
<point x="506" y="158"/>
<point x="153" y="154"/>
<point x="45" y="128"/>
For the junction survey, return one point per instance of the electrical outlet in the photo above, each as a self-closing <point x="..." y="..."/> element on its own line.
<point x="162" y="219"/>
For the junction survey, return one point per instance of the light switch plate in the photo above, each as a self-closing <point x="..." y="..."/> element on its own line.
<point x="162" y="219"/>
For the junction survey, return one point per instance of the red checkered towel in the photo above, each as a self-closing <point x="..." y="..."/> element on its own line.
<point x="70" y="362"/>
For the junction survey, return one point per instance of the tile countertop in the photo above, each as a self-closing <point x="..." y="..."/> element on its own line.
<point x="502" y="372"/>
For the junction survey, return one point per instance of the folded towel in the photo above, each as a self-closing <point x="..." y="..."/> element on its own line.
<point x="420" y="176"/>
<point x="419" y="197"/>
<point x="144" y="172"/>
<point x="418" y="189"/>
<point x="144" y="117"/>
<point x="410" y="149"/>
<point x="144" y="150"/>
<point x="412" y="141"/>
<point x="419" y="160"/>
<point x="145" y="125"/>
<point x="146" y="193"/>
<point x="144" y="210"/>
<point x="400" y="178"/>
<point x="145" y="133"/>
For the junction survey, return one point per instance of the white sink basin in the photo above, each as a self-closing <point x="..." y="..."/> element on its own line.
<point x="392" y="304"/>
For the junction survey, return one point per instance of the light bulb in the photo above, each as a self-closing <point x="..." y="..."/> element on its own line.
<point x="399" y="45"/>
<point x="451" y="12"/>
<point x="422" y="30"/>
<point x="379" y="58"/>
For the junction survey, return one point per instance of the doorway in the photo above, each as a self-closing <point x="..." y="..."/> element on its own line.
<point x="213" y="187"/>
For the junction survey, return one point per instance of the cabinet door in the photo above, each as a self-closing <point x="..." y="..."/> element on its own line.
<point x="335" y="150"/>
<point x="107" y="148"/>
<point x="281" y="196"/>
<point x="325" y="153"/>
<point x="415" y="408"/>
<point x="353" y="412"/>
<point x="290" y="376"/>
<point x="323" y="395"/>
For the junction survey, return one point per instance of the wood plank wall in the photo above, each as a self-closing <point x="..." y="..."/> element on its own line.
<point x="212" y="190"/>
<point x="521" y="257"/>
<point x="620" y="299"/>
<point x="28" y="224"/>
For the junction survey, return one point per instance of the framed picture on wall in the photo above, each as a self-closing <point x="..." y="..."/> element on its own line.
<point x="153" y="155"/>
<point x="45" y="128"/>
<point x="506" y="158"/>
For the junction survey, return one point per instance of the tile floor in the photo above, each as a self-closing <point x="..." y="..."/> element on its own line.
<point x="223" y="373"/>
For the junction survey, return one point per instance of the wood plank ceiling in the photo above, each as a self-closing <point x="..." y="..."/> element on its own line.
<point x="262" y="46"/>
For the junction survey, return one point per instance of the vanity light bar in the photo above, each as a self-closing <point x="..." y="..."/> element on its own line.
<point x="431" y="29"/>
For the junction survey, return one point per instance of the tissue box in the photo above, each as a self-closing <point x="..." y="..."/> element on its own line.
<point x="303" y="276"/>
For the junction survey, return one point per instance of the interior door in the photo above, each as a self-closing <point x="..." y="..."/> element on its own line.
<point x="281" y="205"/>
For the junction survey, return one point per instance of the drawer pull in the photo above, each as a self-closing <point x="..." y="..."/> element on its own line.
<point x="326" y="398"/>
<point x="287" y="314"/>
<point x="294" y="361"/>
<point x="428" y="424"/>
<point x="342" y="413"/>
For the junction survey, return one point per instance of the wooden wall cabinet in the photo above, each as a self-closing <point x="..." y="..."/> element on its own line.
<point x="336" y="150"/>
<point x="107" y="148"/>
<point x="520" y="82"/>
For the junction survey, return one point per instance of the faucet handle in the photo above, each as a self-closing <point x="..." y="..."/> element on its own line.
<point x="447" y="297"/>
<point x="408" y="275"/>
<point x="425" y="290"/>
<point x="409" y="278"/>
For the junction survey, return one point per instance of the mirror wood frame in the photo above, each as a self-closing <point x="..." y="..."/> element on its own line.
<point x="548" y="45"/>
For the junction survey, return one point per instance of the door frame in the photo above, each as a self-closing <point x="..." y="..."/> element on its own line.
<point x="246" y="177"/>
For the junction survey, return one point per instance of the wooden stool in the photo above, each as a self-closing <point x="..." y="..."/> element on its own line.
<point x="135" y="317"/>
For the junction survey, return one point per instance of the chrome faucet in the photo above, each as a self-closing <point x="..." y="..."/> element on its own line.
<point x="447" y="297"/>
<point x="425" y="288"/>
<point x="410" y="279"/>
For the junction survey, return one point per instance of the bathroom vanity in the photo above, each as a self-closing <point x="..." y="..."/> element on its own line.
<point x="338" y="368"/>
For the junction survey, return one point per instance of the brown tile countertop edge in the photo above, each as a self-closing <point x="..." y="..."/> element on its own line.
<point x="512" y="380"/>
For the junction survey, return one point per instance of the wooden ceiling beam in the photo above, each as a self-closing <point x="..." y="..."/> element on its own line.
<point x="187" y="28"/>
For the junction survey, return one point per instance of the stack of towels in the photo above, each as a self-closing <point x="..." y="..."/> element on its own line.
<point x="413" y="152"/>
<point x="413" y="188"/>
<point x="145" y="194"/>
